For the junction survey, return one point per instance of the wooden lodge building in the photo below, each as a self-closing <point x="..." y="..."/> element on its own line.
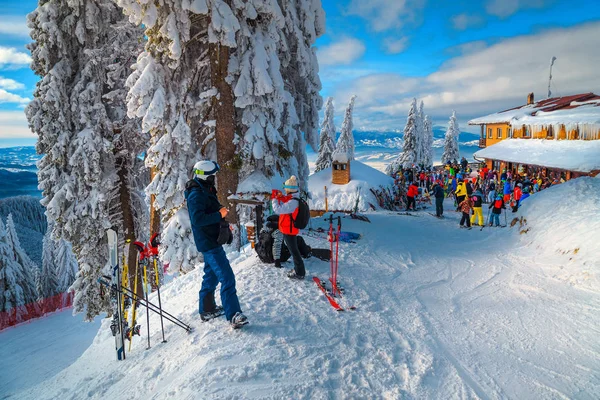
<point x="556" y="136"/>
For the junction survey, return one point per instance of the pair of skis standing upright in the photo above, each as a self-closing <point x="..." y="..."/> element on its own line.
<point x="333" y="291"/>
<point x="122" y="295"/>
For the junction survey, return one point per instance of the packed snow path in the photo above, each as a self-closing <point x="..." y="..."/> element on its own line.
<point x="441" y="313"/>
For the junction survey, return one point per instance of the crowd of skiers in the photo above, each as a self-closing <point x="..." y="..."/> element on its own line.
<point x="471" y="189"/>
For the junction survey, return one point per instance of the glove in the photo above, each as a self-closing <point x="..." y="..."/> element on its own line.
<point x="275" y="194"/>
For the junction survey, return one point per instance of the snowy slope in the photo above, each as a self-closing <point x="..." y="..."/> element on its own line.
<point x="343" y="197"/>
<point x="442" y="313"/>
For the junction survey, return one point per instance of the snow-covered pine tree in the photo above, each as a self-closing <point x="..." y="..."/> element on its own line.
<point x="345" y="143"/>
<point x="66" y="265"/>
<point x="304" y="23"/>
<point x="81" y="50"/>
<point x="47" y="285"/>
<point x="406" y="159"/>
<point x="451" y="141"/>
<point x="420" y="135"/>
<point x="428" y="142"/>
<point x="327" y="145"/>
<point x="66" y="268"/>
<point x="17" y="271"/>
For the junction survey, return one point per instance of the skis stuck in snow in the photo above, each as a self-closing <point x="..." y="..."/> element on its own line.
<point x="335" y="291"/>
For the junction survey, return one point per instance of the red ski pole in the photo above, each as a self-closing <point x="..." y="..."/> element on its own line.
<point x="331" y="246"/>
<point x="337" y="246"/>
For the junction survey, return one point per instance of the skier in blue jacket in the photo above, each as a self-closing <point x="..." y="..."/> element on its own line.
<point x="206" y="214"/>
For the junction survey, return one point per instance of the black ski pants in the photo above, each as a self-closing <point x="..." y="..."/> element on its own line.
<point x="439" y="206"/>
<point x="409" y="201"/>
<point x="291" y="242"/>
<point x="465" y="217"/>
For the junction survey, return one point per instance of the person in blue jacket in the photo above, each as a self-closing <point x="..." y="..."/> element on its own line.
<point x="206" y="214"/>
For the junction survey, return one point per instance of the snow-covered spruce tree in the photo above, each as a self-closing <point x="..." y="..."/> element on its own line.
<point x="304" y="23"/>
<point x="327" y="145"/>
<point x="451" y="141"/>
<point x="421" y="140"/>
<point x="428" y="142"/>
<point x="66" y="268"/>
<point x="17" y="271"/>
<point x="274" y="69"/>
<point x="406" y="159"/>
<point x="80" y="50"/>
<point x="47" y="285"/>
<point x="345" y="143"/>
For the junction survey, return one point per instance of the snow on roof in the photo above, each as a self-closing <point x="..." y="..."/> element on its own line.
<point x="340" y="157"/>
<point x="343" y="197"/>
<point x="571" y="155"/>
<point x="577" y="109"/>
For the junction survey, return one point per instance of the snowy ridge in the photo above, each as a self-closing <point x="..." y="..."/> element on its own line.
<point x="579" y="216"/>
<point x="471" y="321"/>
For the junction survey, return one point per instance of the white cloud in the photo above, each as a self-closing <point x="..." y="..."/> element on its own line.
<point x="9" y="56"/>
<point x="395" y="46"/>
<point x="343" y="52"/>
<point x="386" y="14"/>
<point x="506" y="8"/>
<point x="467" y="48"/>
<point x="13" y="124"/>
<point x="14" y="25"/>
<point x="7" y="97"/>
<point x="10" y="84"/>
<point x="494" y="78"/>
<point x="463" y="21"/>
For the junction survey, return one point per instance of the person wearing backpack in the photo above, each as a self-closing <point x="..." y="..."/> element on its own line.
<point x="206" y="217"/>
<point x="498" y="206"/>
<point x="288" y="207"/>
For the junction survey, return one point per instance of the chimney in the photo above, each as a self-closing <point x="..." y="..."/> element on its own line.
<point x="530" y="98"/>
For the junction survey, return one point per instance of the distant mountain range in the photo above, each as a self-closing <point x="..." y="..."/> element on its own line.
<point x="18" y="172"/>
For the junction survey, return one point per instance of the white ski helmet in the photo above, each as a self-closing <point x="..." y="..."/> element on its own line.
<point x="205" y="168"/>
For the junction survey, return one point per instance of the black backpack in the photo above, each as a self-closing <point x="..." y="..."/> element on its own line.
<point x="303" y="216"/>
<point x="264" y="246"/>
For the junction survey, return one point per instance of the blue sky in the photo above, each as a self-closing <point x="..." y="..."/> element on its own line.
<point x="475" y="57"/>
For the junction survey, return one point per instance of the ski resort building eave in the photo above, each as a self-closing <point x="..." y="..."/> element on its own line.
<point x="573" y="157"/>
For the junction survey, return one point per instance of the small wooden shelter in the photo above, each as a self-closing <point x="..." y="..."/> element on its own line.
<point x="340" y="170"/>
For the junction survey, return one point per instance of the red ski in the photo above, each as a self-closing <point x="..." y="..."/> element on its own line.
<point x="332" y="301"/>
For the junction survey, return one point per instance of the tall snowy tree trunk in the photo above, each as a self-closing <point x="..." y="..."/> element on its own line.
<point x="129" y="233"/>
<point x="154" y="213"/>
<point x="224" y="111"/>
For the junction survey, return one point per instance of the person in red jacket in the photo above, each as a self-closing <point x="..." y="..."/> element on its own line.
<point x="422" y="178"/>
<point x="413" y="192"/>
<point x="517" y="194"/>
<point x="287" y="208"/>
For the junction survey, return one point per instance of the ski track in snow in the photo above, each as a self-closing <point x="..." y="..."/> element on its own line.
<point x="441" y="313"/>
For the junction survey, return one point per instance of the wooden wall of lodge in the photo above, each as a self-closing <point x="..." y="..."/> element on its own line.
<point x="520" y="133"/>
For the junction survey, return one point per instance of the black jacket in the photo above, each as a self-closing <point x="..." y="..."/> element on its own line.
<point x="438" y="192"/>
<point x="203" y="207"/>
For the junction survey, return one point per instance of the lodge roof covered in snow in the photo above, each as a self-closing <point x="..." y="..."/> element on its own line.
<point x="577" y="109"/>
<point x="569" y="155"/>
